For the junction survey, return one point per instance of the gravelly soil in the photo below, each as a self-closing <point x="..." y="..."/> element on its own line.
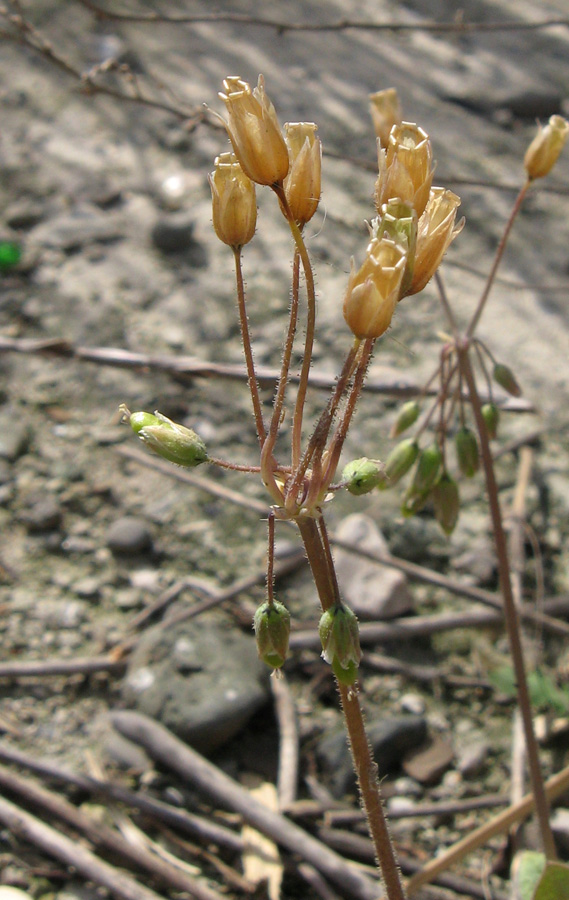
<point x="85" y="182"/>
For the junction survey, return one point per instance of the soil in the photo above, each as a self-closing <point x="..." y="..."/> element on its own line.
<point x="110" y="203"/>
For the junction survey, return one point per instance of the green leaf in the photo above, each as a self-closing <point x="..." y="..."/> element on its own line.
<point x="554" y="883"/>
<point x="528" y="866"/>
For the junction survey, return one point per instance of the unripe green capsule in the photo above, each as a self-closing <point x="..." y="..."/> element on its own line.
<point x="272" y="630"/>
<point x="467" y="451"/>
<point x="407" y="416"/>
<point x="491" y="416"/>
<point x="400" y="461"/>
<point x="363" y="475"/>
<point x="414" y="501"/>
<point x="428" y="465"/>
<point x="504" y="376"/>
<point x="446" y="501"/>
<point x="167" y="439"/>
<point x="339" y="634"/>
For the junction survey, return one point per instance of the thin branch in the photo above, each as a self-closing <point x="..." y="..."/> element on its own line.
<point x="280" y="25"/>
<point x="186" y="368"/>
<point x="165" y="748"/>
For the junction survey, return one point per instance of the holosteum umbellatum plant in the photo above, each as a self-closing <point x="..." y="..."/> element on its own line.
<point x="414" y="226"/>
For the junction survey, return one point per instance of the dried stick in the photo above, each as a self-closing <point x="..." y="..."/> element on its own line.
<point x="71" y="853"/>
<point x="185" y="368"/>
<point x="555" y="787"/>
<point x="287" y="777"/>
<point x="165" y="748"/>
<point x="47" y="667"/>
<point x="101" y="836"/>
<point x="190" y="824"/>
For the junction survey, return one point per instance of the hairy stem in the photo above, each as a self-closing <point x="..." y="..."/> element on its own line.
<point x="497" y="260"/>
<point x="319" y="556"/>
<point x="247" y="347"/>
<point x="310" y="324"/>
<point x="510" y="610"/>
<point x="269" y="445"/>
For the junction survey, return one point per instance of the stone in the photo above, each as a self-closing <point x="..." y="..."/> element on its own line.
<point x="471" y="758"/>
<point x="44" y="515"/>
<point x="371" y="590"/>
<point x="560" y="828"/>
<point x="13" y="893"/>
<point x="173" y="233"/>
<point x="203" y="680"/>
<point x="427" y="764"/>
<point x="129" y="536"/>
<point x="390" y="740"/>
<point x="14" y="436"/>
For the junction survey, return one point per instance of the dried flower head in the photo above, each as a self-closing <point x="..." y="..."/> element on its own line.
<point x="546" y="147"/>
<point x="374" y="289"/>
<point x="405" y="167"/>
<point x="435" y="232"/>
<point x="303" y="182"/>
<point x="385" y="110"/>
<point x="254" y="131"/>
<point x="234" y="204"/>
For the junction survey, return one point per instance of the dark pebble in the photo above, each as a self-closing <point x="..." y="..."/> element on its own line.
<point x="44" y="515"/>
<point x="173" y="234"/>
<point x="129" y="536"/>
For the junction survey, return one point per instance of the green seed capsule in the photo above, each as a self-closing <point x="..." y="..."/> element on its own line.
<point x="167" y="439"/>
<point x="446" y="501"/>
<point x="339" y="634"/>
<point x="272" y="630"/>
<point x="407" y="416"/>
<point x="400" y="461"/>
<point x="414" y="501"/>
<point x="467" y="452"/>
<point x="363" y="475"/>
<point x="428" y="465"/>
<point x="506" y="379"/>
<point x="491" y="416"/>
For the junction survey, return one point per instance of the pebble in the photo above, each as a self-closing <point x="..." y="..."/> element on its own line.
<point x="372" y="591"/>
<point x="129" y="536"/>
<point x="89" y="588"/>
<point x="44" y="515"/>
<point x="173" y="233"/>
<point x="412" y="703"/>
<point x="14" y="436"/>
<point x="471" y="758"/>
<point x="390" y="740"/>
<point x="203" y="680"/>
<point x="427" y="764"/>
<point x="24" y="214"/>
<point x="12" y="893"/>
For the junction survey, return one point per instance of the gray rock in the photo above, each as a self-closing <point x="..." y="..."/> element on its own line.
<point x="173" y="233"/>
<point x="560" y="828"/>
<point x="14" y="436"/>
<point x="79" y="228"/>
<point x="203" y="680"/>
<point x="390" y="740"/>
<point x="129" y="536"/>
<point x="427" y="764"/>
<point x="372" y="591"/>
<point x="44" y="515"/>
<point x="24" y="214"/>
<point x="471" y="758"/>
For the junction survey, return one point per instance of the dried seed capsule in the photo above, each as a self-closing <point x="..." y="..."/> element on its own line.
<point x="234" y="204"/>
<point x="400" y="461"/>
<point x="385" y="110"/>
<point x="303" y="182"/>
<point x="407" y="416"/>
<point x="546" y="147"/>
<point x="374" y="289"/>
<point x="504" y="376"/>
<point x="446" y="501"/>
<point x="272" y="630"/>
<point x="254" y="131"/>
<point x="467" y="452"/>
<point x="363" y="475"/>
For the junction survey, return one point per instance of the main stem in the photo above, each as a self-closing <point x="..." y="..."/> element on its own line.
<point x="320" y="559"/>
<point x="510" y="610"/>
